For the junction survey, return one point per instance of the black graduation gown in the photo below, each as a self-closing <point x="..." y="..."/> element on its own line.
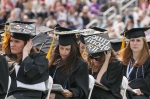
<point x="77" y="81"/>
<point x="142" y="81"/>
<point x="4" y="74"/>
<point x="33" y="69"/>
<point x="112" y="79"/>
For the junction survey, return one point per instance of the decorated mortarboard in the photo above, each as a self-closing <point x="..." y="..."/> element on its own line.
<point x="135" y="33"/>
<point x="22" y="30"/>
<point x="116" y="43"/>
<point x="43" y="29"/>
<point x="66" y="36"/>
<point x="42" y="42"/>
<point x="97" y="44"/>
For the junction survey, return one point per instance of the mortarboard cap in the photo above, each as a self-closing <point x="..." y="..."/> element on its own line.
<point x="22" y="30"/>
<point x="116" y="43"/>
<point x="97" y="44"/>
<point x="42" y="42"/>
<point x="98" y="29"/>
<point x="135" y="33"/>
<point x="43" y="29"/>
<point x="66" y="35"/>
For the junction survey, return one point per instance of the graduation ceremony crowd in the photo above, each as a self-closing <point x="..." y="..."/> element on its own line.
<point x="45" y="39"/>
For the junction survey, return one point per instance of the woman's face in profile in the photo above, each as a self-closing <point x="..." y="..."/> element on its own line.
<point x="16" y="46"/>
<point x="64" y="51"/>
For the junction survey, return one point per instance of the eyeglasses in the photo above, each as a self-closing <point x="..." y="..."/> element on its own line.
<point x="95" y="58"/>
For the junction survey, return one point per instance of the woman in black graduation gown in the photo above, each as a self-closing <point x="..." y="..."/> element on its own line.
<point x="137" y="64"/>
<point x="4" y="74"/>
<point x="32" y="67"/>
<point x="107" y="70"/>
<point x="68" y="68"/>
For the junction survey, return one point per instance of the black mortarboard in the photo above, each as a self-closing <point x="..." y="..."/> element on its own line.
<point x="22" y="30"/>
<point x="42" y="42"/>
<point x="116" y="43"/>
<point x="135" y="33"/>
<point x="97" y="44"/>
<point x="98" y="29"/>
<point x="81" y="38"/>
<point x="66" y="36"/>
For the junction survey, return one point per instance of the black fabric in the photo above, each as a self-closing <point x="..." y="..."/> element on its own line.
<point x="77" y="82"/>
<point x="142" y="82"/>
<point x="112" y="79"/>
<point x="26" y="95"/>
<point x="4" y="74"/>
<point x="135" y="33"/>
<point x="24" y="37"/>
<point x="33" y="69"/>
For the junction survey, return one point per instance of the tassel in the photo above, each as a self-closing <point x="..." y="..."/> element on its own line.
<point x="50" y="49"/>
<point x="123" y="43"/>
<point x="6" y="38"/>
<point x="83" y="54"/>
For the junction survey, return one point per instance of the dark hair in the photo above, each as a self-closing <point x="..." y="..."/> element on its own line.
<point x="101" y="61"/>
<point x="69" y="63"/>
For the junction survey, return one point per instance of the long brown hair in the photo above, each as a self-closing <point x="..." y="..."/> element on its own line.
<point x="69" y="62"/>
<point x="101" y="61"/>
<point x="143" y="55"/>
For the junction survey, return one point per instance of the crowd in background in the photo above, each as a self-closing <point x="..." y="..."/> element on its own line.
<point x="75" y="14"/>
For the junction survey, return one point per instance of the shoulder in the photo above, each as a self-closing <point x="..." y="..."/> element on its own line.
<point x="80" y="62"/>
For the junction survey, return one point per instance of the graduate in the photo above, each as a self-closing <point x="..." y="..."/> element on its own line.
<point x="28" y="67"/>
<point x="136" y="59"/>
<point x="4" y="74"/>
<point x="104" y="67"/>
<point x="67" y="67"/>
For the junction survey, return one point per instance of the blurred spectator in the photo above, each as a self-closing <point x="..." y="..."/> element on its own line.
<point x="20" y="5"/>
<point x="71" y="13"/>
<point x="118" y="25"/>
<point x="77" y="21"/>
<point x="94" y="8"/>
<point x="145" y="19"/>
<point x="129" y="24"/>
<point x="85" y="16"/>
<point x="39" y="21"/>
<point x="127" y="16"/>
<point x="143" y="5"/>
<point x="115" y="3"/>
<point x="148" y="10"/>
<point x="2" y="14"/>
<point x="78" y="6"/>
<point x="42" y="10"/>
<point x="136" y="14"/>
<point x="14" y="15"/>
<point x="61" y="14"/>
<point x="137" y="25"/>
<point x="51" y="23"/>
<point x="103" y="5"/>
<point x="71" y="25"/>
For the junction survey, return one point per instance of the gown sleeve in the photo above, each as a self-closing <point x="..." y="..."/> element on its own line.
<point x="4" y="74"/>
<point x="81" y="82"/>
<point x="33" y="69"/>
<point x="142" y="83"/>
<point x="112" y="78"/>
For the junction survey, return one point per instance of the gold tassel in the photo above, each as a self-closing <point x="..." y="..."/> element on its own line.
<point x="50" y="49"/>
<point x="6" y="38"/>
<point x="83" y="53"/>
<point x="123" y="43"/>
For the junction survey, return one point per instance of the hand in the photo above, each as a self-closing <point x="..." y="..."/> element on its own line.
<point x="27" y="48"/>
<point x="67" y="93"/>
<point x="138" y="91"/>
<point x="107" y="55"/>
